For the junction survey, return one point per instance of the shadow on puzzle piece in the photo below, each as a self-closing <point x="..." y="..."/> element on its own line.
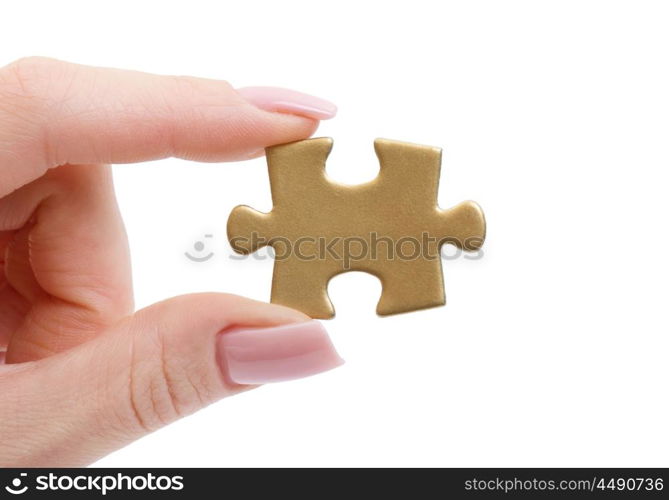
<point x="390" y="227"/>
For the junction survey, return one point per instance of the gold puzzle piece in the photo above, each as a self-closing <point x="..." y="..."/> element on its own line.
<point x="390" y="227"/>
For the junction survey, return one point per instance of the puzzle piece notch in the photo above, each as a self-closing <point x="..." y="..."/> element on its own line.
<point x="400" y="202"/>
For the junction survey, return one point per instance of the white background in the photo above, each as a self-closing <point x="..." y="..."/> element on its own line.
<point x="553" y="115"/>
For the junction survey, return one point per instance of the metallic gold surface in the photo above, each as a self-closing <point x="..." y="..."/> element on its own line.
<point x="320" y="228"/>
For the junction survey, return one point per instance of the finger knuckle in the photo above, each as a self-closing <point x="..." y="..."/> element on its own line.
<point x="24" y="77"/>
<point x="23" y="110"/>
<point x="163" y="387"/>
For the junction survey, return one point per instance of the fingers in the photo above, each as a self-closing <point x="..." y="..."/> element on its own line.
<point x="13" y="306"/>
<point x="52" y="113"/>
<point x="13" y="309"/>
<point x="69" y="259"/>
<point x="167" y="361"/>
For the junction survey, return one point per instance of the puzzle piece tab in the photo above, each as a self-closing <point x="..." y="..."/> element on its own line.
<point x="390" y="227"/>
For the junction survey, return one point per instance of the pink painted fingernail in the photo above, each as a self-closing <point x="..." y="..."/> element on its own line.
<point x="276" y="354"/>
<point x="289" y="101"/>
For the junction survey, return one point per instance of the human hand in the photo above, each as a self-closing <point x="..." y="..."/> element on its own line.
<point x="84" y="374"/>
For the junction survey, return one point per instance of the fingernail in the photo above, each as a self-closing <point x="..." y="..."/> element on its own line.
<point x="289" y="101"/>
<point x="276" y="354"/>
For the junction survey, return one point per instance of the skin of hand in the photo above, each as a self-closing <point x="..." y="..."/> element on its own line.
<point x="84" y="374"/>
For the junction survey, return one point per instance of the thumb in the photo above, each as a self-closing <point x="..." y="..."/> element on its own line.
<point x="157" y="366"/>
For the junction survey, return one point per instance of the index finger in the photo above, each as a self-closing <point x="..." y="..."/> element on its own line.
<point x="53" y="113"/>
